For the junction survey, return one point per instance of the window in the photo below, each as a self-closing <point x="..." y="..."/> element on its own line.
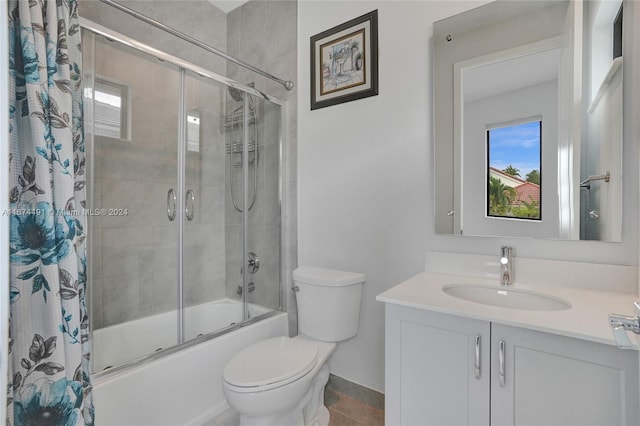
<point x="513" y="170"/>
<point x="617" y="34"/>
<point x="193" y="131"/>
<point x="111" y="110"/>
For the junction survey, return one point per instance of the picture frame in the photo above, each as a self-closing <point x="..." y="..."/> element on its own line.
<point x="344" y="62"/>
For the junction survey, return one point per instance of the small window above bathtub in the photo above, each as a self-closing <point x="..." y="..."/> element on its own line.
<point x="112" y="109"/>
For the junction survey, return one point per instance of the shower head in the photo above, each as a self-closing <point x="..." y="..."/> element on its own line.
<point x="235" y="94"/>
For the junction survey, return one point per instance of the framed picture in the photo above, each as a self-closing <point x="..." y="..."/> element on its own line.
<point x="344" y="62"/>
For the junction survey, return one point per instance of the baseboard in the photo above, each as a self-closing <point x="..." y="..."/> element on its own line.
<point x="361" y="393"/>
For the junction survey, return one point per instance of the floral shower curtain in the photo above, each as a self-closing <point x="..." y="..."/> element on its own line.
<point x="49" y="382"/>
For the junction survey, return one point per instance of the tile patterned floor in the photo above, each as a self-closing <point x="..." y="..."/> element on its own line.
<point x="347" y="411"/>
<point x="344" y="411"/>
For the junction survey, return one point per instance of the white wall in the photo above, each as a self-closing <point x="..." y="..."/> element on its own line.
<point x="363" y="168"/>
<point x="366" y="174"/>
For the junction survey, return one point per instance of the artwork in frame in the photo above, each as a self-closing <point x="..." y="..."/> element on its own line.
<point x="344" y="62"/>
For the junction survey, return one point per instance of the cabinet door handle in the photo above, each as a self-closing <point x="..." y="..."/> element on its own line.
<point x="477" y="357"/>
<point x="501" y="363"/>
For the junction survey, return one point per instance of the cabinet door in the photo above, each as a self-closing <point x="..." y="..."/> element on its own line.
<point x="430" y="369"/>
<point x="553" y="380"/>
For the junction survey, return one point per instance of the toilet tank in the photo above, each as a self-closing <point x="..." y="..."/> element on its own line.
<point x="328" y="302"/>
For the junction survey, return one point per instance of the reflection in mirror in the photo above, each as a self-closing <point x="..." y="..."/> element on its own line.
<point x="499" y="93"/>
<point x="528" y="106"/>
<point x="510" y="195"/>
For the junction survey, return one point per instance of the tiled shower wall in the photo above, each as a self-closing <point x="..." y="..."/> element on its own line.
<point x="264" y="34"/>
<point x="197" y="18"/>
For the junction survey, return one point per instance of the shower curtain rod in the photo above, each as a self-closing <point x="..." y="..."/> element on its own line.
<point x="287" y="84"/>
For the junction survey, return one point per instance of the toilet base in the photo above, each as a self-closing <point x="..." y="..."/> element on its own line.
<point x="310" y="411"/>
<point x="322" y="418"/>
<point x="292" y="418"/>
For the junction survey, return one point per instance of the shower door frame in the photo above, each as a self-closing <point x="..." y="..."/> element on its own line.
<point x="246" y="91"/>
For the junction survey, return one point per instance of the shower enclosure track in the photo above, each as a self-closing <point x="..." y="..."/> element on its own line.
<point x="287" y="84"/>
<point x="159" y="54"/>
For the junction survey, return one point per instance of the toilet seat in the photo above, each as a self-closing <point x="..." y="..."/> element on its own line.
<point x="270" y="363"/>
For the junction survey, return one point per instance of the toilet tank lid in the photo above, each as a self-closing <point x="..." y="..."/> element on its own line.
<point x="327" y="277"/>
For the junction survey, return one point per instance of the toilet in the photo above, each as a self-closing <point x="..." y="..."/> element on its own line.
<point x="280" y="381"/>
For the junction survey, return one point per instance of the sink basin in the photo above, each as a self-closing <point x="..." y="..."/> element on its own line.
<point x="506" y="297"/>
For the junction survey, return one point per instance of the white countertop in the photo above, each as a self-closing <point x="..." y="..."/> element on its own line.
<point x="586" y="319"/>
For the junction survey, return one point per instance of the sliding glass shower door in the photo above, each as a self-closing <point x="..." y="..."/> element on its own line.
<point x="133" y="243"/>
<point x="231" y="244"/>
<point x="262" y="236"/>
<point x="204" y="246"/>
<point x="184" y="189"/>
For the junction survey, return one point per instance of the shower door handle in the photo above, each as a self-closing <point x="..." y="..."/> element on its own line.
<point x="189" y="205"/>
<point x="171" y="205"/>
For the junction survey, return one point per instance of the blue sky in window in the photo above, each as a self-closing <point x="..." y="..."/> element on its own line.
<point x="518" y="146"/>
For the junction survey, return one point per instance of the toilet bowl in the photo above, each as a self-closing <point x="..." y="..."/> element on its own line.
<point x="280" y="381"/>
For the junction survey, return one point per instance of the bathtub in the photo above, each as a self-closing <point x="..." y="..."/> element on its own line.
<point x="119" y="343"/>
<point x="183" y="387"/>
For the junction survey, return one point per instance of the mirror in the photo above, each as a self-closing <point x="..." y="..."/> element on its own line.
<point x="528" y="120"/>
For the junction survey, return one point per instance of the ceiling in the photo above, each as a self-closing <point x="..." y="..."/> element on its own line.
<point x="512" y="74"/>
<point x="227" y="5"/>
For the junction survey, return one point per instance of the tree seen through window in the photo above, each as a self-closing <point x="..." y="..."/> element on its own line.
<point x="513" y="175"/>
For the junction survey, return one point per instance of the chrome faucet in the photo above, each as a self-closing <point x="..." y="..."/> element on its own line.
<point x="506" y="270"/>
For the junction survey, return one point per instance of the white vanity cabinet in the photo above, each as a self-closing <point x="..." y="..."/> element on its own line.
<point x="430" y="374"/>
<point x="556" y="380"/>
<point x="449" y="370"/>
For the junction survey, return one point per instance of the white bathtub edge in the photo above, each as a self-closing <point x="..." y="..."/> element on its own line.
<point x="170" y="390"/>
<point x="209" y="415"/>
